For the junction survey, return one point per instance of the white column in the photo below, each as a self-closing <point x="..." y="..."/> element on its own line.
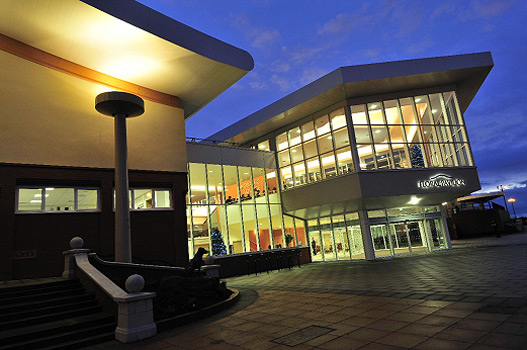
<point x="123" y="241"/>
<point x="366" y="235"/>
<point x="445" y="226"/>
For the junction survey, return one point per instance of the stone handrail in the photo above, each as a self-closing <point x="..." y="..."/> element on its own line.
<point x="135" y="319"/>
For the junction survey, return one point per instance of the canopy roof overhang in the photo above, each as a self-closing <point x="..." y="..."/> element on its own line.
<point x="465" y="72"/>
<point x="480" y="198"/>
<point x="128" y="41"/>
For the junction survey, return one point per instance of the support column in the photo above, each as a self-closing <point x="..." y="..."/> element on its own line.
<point x="445" y="226"/>
<point x="123" y="240"/>
<point x="367" y="243"/>
<point x="121" y="105"/>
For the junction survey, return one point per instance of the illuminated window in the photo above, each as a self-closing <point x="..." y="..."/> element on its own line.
<point x="57" y="199"/>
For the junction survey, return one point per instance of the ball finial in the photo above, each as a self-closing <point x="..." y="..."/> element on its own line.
<point x="76" y="243"/>
<point x="135" y="283"/>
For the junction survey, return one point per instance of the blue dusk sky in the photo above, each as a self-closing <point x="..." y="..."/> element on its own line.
<point x="295" y="42"/>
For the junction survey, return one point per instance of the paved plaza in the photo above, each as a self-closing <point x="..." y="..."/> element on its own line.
<point x="472" y="297"/>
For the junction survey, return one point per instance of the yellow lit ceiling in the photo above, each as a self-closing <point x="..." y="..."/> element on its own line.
<point x="143" y="47"/>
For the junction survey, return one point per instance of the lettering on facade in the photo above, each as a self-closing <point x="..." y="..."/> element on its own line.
<point x="441" y="180"/>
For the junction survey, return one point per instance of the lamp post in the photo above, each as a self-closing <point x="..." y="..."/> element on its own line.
<point x="121" y="105"/>
<point x="511" y="201"/>
<point x="502" y="188"/>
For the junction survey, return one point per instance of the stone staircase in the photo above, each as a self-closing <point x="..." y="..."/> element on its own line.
<point x="52" y="315"/>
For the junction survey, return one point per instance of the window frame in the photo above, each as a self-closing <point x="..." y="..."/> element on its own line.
<point x="43" y="210"/>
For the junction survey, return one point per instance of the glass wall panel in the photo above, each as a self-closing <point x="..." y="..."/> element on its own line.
<point x="277" y="237"/>
<point x="328" y="243"/>
<point x="313" y="170"/>
<point x="300" y="173"/>
<point x="300" y="229"/>
<point x="287" y="177"/>
<point x="328" y="165"/>
<point x="338" y="119"/>
<point x="340" y="138"/>
<point x="342" y="245"/>
<point x="249" y="225"/>
<point x="315" y="241"/>
<point x="358" y="115"/>
<point x="308" y="131"/>
<point x="322" y="125"/>
<point x="63" y="199"/>
<point x="281" y="141"/>
<point x="200" y="227"/>
<point x="345" y="161"/>
<point x="297" y="154"/>
<point x="375" y="113"/>
<point x="325" y="143"/>
<point x="218" y="230"/>
<point x="246" y="184"/>
<point x="230" y="175"/>
<point x="310" y="149"/>
<point x="88" y="199"/>
<point x="264" y="226"/>
<point x="284" y="158"/>
<point x="294" y="136"/>
<point x="215" y="179"/>
<point x="392" y="112"/>
<point x="236" y="238"/>
<point x="381" y="241"/>
<point x="259" y="185"/>
<point x="264" y="146"/>
<point x="198" y="183"/>
<point x="355" y="236"/>
<point x="29" y="199"/>
<point x="270" y="176"/>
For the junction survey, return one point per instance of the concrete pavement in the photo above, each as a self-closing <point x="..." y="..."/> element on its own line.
<point x="472" y="297"/>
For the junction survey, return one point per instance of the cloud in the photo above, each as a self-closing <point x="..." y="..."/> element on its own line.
<point x="280" y="66"/>
<point x="311" y="74"/>
<point x="259" y="37"/>
<point x="490" y="8"/>
<point x="343" y="23"/>
<point x="302" y="53"/>
<point x="283" y="83"/>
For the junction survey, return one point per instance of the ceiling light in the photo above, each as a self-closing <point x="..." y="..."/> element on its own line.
<point x="373" y="106"/>
<point x="377" y="131"/>
<point x="49" y="188"/>
<point x="35" y="201"/>
<point x="434" y="111"/>
<point x="414" y="200"/>
<point x="419" y="99"/>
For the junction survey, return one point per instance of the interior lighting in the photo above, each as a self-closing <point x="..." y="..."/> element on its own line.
<point x="35" y="201"/>
<point x="49" y="188"/>
<point x="419" y="99"/>
<point x="377" y="131"/>
<point x="444" y="203"/>
<point x="434" y="111"/>
<point x="414" y="200"/>
<point x="38" y="195"/>
<point x="373" y="106"/>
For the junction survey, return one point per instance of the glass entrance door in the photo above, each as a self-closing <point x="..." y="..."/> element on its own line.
<point x="437" y="233"/>
<point x="400" y="238"/>
<point x="416" y="234"/>
<point x="408" y="236"/>
<point x="381" y="241"/>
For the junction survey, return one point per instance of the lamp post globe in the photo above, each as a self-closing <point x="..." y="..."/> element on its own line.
<point x="121" y="105"/>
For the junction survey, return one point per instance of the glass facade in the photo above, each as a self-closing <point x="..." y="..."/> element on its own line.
<point x="241" y="206"/>
<point x="316" y="150"/>
<point x="424" y="131"/>
<point x="393" y="231"/>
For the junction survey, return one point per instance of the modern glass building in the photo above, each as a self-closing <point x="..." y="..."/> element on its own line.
<point x="366" y="155"/>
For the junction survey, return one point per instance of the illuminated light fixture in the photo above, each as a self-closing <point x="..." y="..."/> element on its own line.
<point x="444" y="203"/>
<point x="261" y="146"/>
<point x="373" y="106"/>
<point x="246" y="173"/>
<point x="219" y="183"/>
<point x="149" y="194"/>
<point x="298" y="131"/>
<point x="49" y="188"/>
<point x="38" y="195"/>
<point x="414" y="200"/>
<point x="434" y="111"/>
<point x="293" y="150"/>
<point x="330" y="137"/>
<point x="418" y="99"/>
<point x="377" y="131"/>
<point x="35" y="201"/>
